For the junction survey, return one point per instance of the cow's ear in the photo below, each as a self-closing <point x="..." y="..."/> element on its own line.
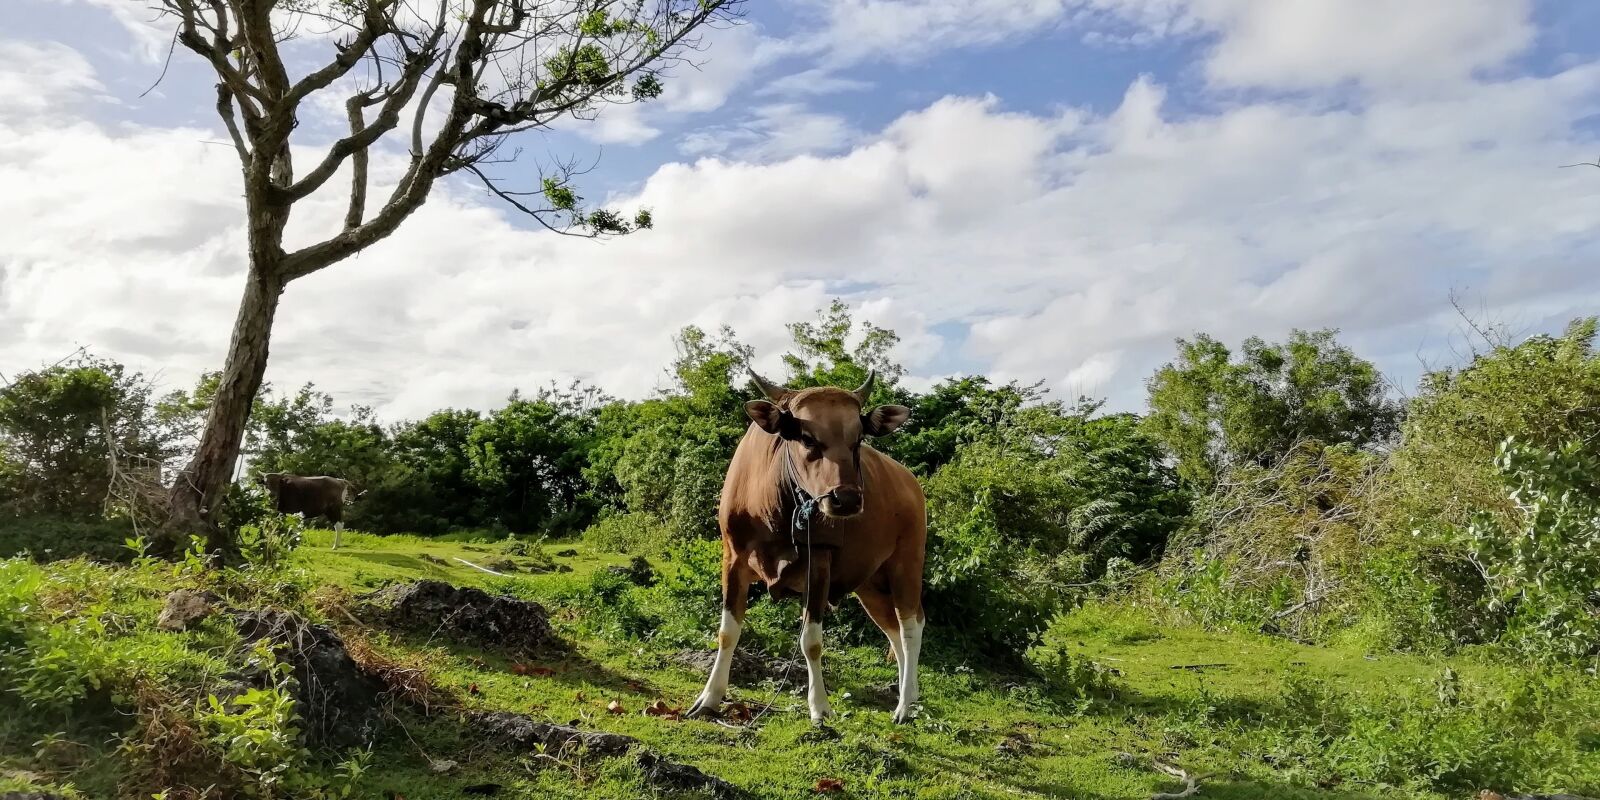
<point x="883" y="420"/>
<point x="764" y="414"/>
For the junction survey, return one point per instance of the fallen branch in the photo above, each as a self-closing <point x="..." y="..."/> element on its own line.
<point x="1191" y="783"/>
<point x="481" y="569"/>
<point x="1198" y="666"/>
<point x="1302" y="606"/>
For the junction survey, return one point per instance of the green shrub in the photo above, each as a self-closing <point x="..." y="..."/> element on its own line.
<point x="1450" y="735"/>
<point x="1070" y="677"/>
<point x="1543" y="568"/>
<point x="631" y="533"/>
<point x="50" y="538"/>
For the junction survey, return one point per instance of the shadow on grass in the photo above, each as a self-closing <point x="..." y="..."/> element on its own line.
<point x="399" y="561"/>
<point x="571" y="667"/>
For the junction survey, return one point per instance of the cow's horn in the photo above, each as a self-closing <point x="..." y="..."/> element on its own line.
<point x="773" y="391"/>
<point x="866" y="388"/>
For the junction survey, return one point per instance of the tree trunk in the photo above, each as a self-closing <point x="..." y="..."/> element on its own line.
<point x="201" y="486"/>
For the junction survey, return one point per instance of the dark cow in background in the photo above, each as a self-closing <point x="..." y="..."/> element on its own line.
<point x="313" y="496"/>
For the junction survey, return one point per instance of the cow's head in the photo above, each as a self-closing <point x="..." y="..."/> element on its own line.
<point x="271" y="481"/>
<point x="822" y="430"/>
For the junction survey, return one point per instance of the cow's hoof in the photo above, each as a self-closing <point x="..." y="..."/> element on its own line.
<point x="904" y="715"/>
<point x="702" y="708"/>
<point x="821" y="715"/>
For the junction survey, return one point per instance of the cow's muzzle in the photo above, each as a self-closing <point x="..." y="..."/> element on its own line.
<point x="844" y="501"/>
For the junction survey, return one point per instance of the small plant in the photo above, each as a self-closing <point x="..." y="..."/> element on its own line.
<point x="1070" y="677"/>
<point x="257" y="736"/>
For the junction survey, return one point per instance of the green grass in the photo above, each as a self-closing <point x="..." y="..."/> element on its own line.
<point x="1251" y="711"/>
<point x="365" y="561"/>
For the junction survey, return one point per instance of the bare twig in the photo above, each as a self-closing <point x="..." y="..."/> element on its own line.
<point x="481" y="569"/>
<point x="1191" y="783"/>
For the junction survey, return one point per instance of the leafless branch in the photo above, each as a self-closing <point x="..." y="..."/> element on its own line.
<point x="172" y="47"/>
<point x="358" y="165"/>
<point x="225" y="111"/>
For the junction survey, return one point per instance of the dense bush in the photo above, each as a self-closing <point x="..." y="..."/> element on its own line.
<point x="1452" y="735"/>
<point x="47" y="538"/>
<point x="63" y="426"/>
<point x="1038" y="507"/>
<point x="1543" y="569"/>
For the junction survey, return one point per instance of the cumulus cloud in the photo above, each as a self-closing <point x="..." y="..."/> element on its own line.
<point x="42" y="79"/>
<point x="1298" y="44"/>
<point x="1070" y="246"/>
<point x="779" y="130"/>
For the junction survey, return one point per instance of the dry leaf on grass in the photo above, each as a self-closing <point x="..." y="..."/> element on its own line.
<point x="660" y="709"/>
<point x="615" y="707"/>
<point x="738" y="712"/>
<point x="828" y="786"/>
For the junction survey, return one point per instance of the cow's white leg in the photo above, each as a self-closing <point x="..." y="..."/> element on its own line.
<point x="717" y="684"/>
<point x="338" y="532"/>
<point x="910" y="648"/>
<point x="816" y="690"/>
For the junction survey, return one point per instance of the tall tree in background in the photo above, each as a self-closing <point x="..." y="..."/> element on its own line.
<point x="1212" y="412"/>
<point x="836" y="351"/>
<point x="465" y="75"/>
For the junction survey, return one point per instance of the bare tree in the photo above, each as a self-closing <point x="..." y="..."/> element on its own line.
<point x="444" y="81"/>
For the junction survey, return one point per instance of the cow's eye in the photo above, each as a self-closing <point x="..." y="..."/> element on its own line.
<point x="809" y="441"/>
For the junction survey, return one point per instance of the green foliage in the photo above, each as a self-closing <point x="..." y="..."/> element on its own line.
<point x="665" y="457"/>
<point x="631" y="533"/>
<point x="57" y="427"/>
<point x="528" y="459"/>
<point x="1213" y="413"/>
<point x="47" y="538"/>
<point x="1544" y="391"/>
<point x="1068" y="677"/>
<point x="1450" y="735"/>
<point x="955" y="413"/>
<point x="1543" y="571"/>
<point x="1037" y="507"/>
<point x="256" y="737"/>
<point x="428" y="486"/>
<point x="835" y="350"/>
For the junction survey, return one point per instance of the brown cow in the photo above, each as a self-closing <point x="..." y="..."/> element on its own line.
<point x="810" y="509"/>
<point x="314" y="496"/>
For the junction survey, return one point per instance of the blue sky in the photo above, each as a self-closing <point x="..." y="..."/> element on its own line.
<point x="1036" y="189"/>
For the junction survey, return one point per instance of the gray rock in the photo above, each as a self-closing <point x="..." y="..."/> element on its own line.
<point x="185" y="607"/>
<point x="339" y="703"/>
<point x="638" y="572"/>
<point x="747" y="667"/>
<point x="674" y="777"/>
<point x="521" y="732"/>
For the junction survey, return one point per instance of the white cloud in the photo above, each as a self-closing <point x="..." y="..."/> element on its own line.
<point x="42" y="79"/>
<point x="1297" y="44"/>
<point x="1075" y="245"/>
<point x="812" y="83"/>
<point x="910" y="30"/>
<point x="150" y="29"/>
<point x="617" y="124"/>
<point x="780" y="130"/>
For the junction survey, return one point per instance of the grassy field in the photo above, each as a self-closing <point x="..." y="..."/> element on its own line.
<point x="1250" y="713"/>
